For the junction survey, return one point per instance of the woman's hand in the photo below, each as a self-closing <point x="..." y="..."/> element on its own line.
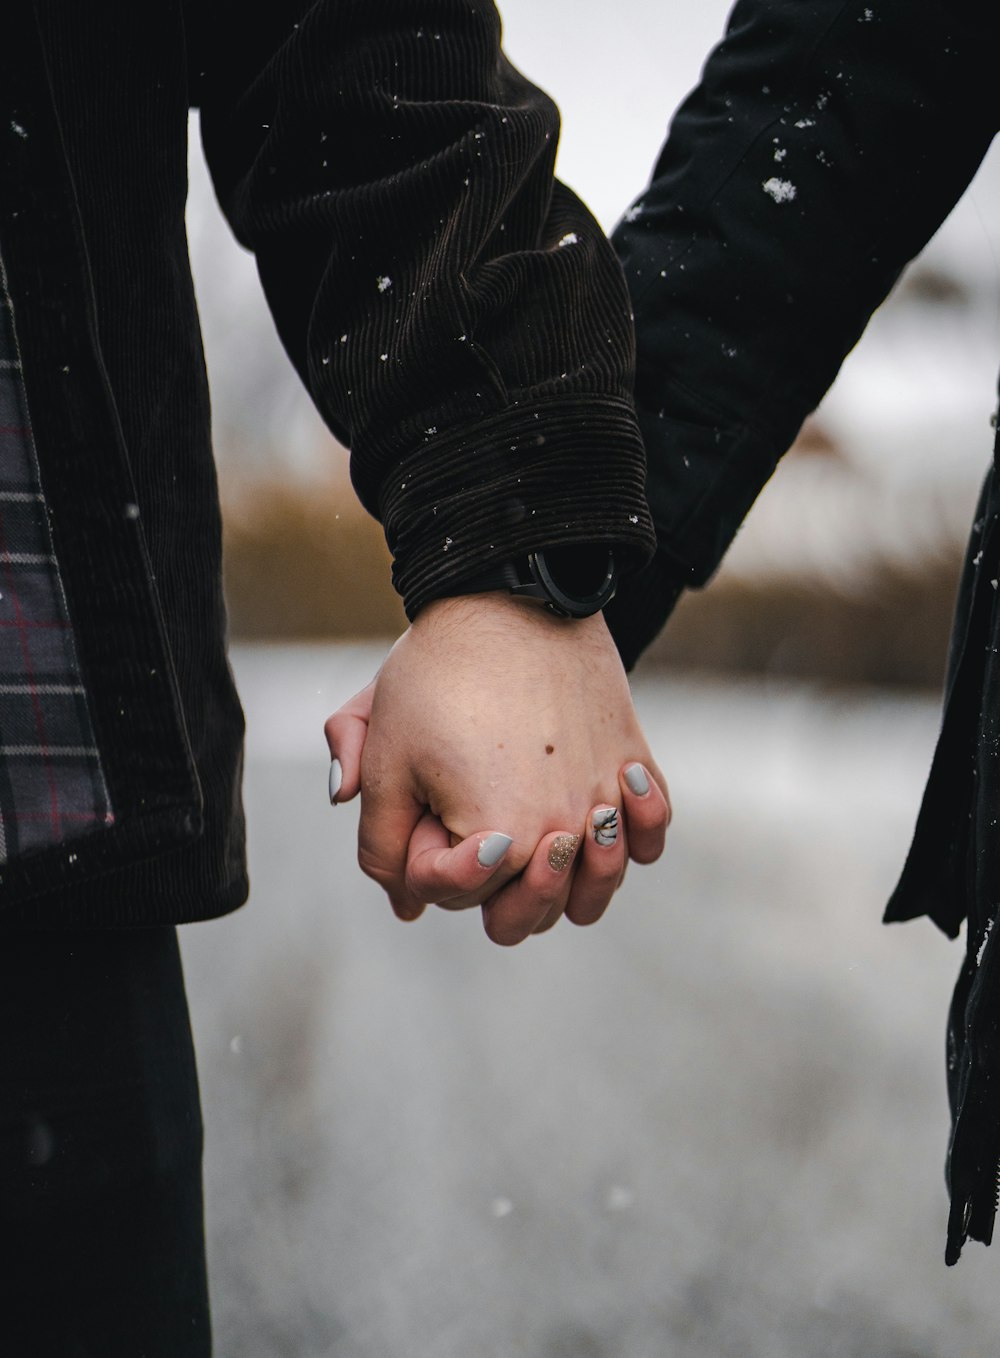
<point x="492" y="750"/>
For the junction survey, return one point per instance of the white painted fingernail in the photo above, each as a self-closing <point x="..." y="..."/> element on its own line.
<point x="605" y="823"/>
<point x="636" y="780"/>
<point x="493" y="848"/>
<point x="336" y="779"/>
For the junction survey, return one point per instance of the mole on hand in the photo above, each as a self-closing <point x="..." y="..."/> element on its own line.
<point x="550" y="749"/>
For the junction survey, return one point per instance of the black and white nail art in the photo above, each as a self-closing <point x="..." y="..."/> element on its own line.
<point x="605" y="823"/>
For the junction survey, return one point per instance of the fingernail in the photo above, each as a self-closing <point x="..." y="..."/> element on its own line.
<point x="336" y="779"/>
<point x="636" y="780"/>
<point x="605" y="823"/>
<point x="493" y="848"/>
<point x="561" y="851"/>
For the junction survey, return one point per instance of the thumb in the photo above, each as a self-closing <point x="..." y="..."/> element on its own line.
<point x="346" y="731"/>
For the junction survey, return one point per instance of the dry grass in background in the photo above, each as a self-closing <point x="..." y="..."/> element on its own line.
<point x="306" y="563"/>
<point x="891" y="629"/>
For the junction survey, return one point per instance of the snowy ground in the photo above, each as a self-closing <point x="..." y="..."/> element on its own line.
<point x="711" y="1126"/>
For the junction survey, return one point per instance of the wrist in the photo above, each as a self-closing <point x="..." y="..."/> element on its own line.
<point x="570" y="580"/>
<point x="501" y="608"/>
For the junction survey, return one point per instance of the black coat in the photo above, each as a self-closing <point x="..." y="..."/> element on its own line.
<point x="824" y="145"/>
<point x="457" y="315"/>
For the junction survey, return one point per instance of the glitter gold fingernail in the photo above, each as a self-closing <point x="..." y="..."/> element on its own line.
<point x="561" y="852"/>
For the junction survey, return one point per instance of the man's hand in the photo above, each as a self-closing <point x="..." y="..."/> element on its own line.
<point x="491" y="719"/>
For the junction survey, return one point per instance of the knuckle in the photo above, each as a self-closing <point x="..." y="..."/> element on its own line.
<point x="421" y="872"/>
<point x="415" y="884"/>
<point x="646" y="850"/>
<point x="512" y="918"/>
<point x="503" y="932"/>
<point x="372" y="866"/>
<point x="514" y="861"/>
<point x="544" y="900"/>
<point x="587" y="912"/>
<point x="464" y="902"/>
<point x="605" y="867"/>
<point x="601" y="898"/>
<point x="647" y="814"/>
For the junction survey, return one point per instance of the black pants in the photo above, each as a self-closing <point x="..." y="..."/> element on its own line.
<point x="100" y="1150"/>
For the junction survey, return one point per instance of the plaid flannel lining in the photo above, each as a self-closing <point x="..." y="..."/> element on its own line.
<point x="52" y="786"/>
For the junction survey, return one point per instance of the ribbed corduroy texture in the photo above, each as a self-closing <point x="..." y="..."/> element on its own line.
<point x="431" y="282"/>
<point x="489" y="495"/>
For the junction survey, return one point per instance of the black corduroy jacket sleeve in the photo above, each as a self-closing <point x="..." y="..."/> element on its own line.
<point x="456" y="313"/>
<point x="826" y="142"/>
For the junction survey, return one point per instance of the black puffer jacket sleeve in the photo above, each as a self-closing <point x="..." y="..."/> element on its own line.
<point x="456" y="313"/>
<point x="824" y="145"/>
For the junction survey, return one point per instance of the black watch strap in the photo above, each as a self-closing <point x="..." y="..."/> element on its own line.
<point x="572" y="581"/>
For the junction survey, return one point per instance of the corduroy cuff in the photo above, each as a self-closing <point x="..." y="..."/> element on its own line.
<point x="542" y="474"/>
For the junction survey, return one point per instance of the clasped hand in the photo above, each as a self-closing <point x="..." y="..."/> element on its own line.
<point x="501" y="764"/>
